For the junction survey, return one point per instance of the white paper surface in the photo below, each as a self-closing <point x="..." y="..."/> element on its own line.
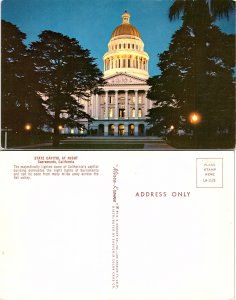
<point x="171" y="239"/>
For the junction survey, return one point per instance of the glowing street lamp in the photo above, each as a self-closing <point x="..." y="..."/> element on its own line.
<point x="172" y="127"/>
<point x="28" y="127"/>
<point x="60" y="127"/>
<point x="194" y="118"/>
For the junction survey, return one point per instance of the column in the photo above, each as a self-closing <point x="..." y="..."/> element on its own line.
<point x="97" y="107"/>
<point x="136" y="104"/>
<point x="146" y="103"/>
<point x="116" y="105"/>
<point x="126" y="105"/>
<point x="106" y="105"/>
<point x="126" y="129"/>
<point x="136" y="130"/>
<point x="105" y="129"/>
<point x="92" y="106"/>
<point x="138" y="62"/>
<point x="145" y="130"/>
<point x="116" y="130"/>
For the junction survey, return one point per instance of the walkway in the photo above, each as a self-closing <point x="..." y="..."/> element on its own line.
<point x="142" y="143"/>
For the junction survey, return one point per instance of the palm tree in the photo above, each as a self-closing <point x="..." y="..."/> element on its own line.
<point x="217" y="8"/>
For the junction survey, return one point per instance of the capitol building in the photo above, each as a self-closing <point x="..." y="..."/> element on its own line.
<point x="121" y="106"/>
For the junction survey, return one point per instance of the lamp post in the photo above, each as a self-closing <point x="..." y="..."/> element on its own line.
<point x="28" y="136"/>
<point x="195" y="119"/>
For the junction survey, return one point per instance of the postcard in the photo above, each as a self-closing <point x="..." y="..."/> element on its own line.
<point x="117" y="161"/>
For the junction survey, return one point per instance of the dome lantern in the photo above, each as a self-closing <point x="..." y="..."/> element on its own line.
<point x="126" y="17"/>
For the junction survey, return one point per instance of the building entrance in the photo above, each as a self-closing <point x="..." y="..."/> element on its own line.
<point x="121" y="130"/>
<point x="131" y="129"/>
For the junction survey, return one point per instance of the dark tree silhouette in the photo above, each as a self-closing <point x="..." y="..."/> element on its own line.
<point x="196" y="75"/>
<point x="66" y="74"/>
<point x="217" y="8"/>
<point x="20" y="103"/>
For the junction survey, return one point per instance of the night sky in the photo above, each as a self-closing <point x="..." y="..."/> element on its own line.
<point x="91" y="22"/>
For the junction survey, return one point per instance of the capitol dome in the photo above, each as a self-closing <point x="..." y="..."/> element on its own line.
<point x="125" y="28"/>
<point x="126" y="51"/>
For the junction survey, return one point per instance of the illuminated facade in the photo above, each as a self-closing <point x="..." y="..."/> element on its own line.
<point x="121" y="107"/>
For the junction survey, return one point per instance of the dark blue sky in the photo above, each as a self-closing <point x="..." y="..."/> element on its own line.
<point x="92" y="22"/>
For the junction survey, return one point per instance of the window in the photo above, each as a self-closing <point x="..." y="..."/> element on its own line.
<point x="128" y="46"/>
<point x="124" y="46"/>
<point x="123" y="63"/>
<point x="140" y="99"/>
<point x="140" y="113"/>
<point x="110" y="112"/>
<point x="133" y="46"/>
<point x="128" y="63"/>
<point x="133" y="99"/>
<point x="119" y="46"/>
<point x="133" y="113"/>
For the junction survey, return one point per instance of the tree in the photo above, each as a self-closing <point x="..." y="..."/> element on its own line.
<point x="20" y="103"/>
<point x="196" y="75"/>
<point x="66" y="73"/>
<point x="217" y="8"/>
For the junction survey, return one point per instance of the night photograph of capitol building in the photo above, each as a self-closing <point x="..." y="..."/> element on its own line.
<point x="121" y="108"/>
<point x="167" y="81"/>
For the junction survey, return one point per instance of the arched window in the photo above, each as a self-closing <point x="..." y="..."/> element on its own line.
<point x="128" y="63"/>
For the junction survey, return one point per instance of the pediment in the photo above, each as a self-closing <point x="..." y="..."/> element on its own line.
<point x="122" y="79"/>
